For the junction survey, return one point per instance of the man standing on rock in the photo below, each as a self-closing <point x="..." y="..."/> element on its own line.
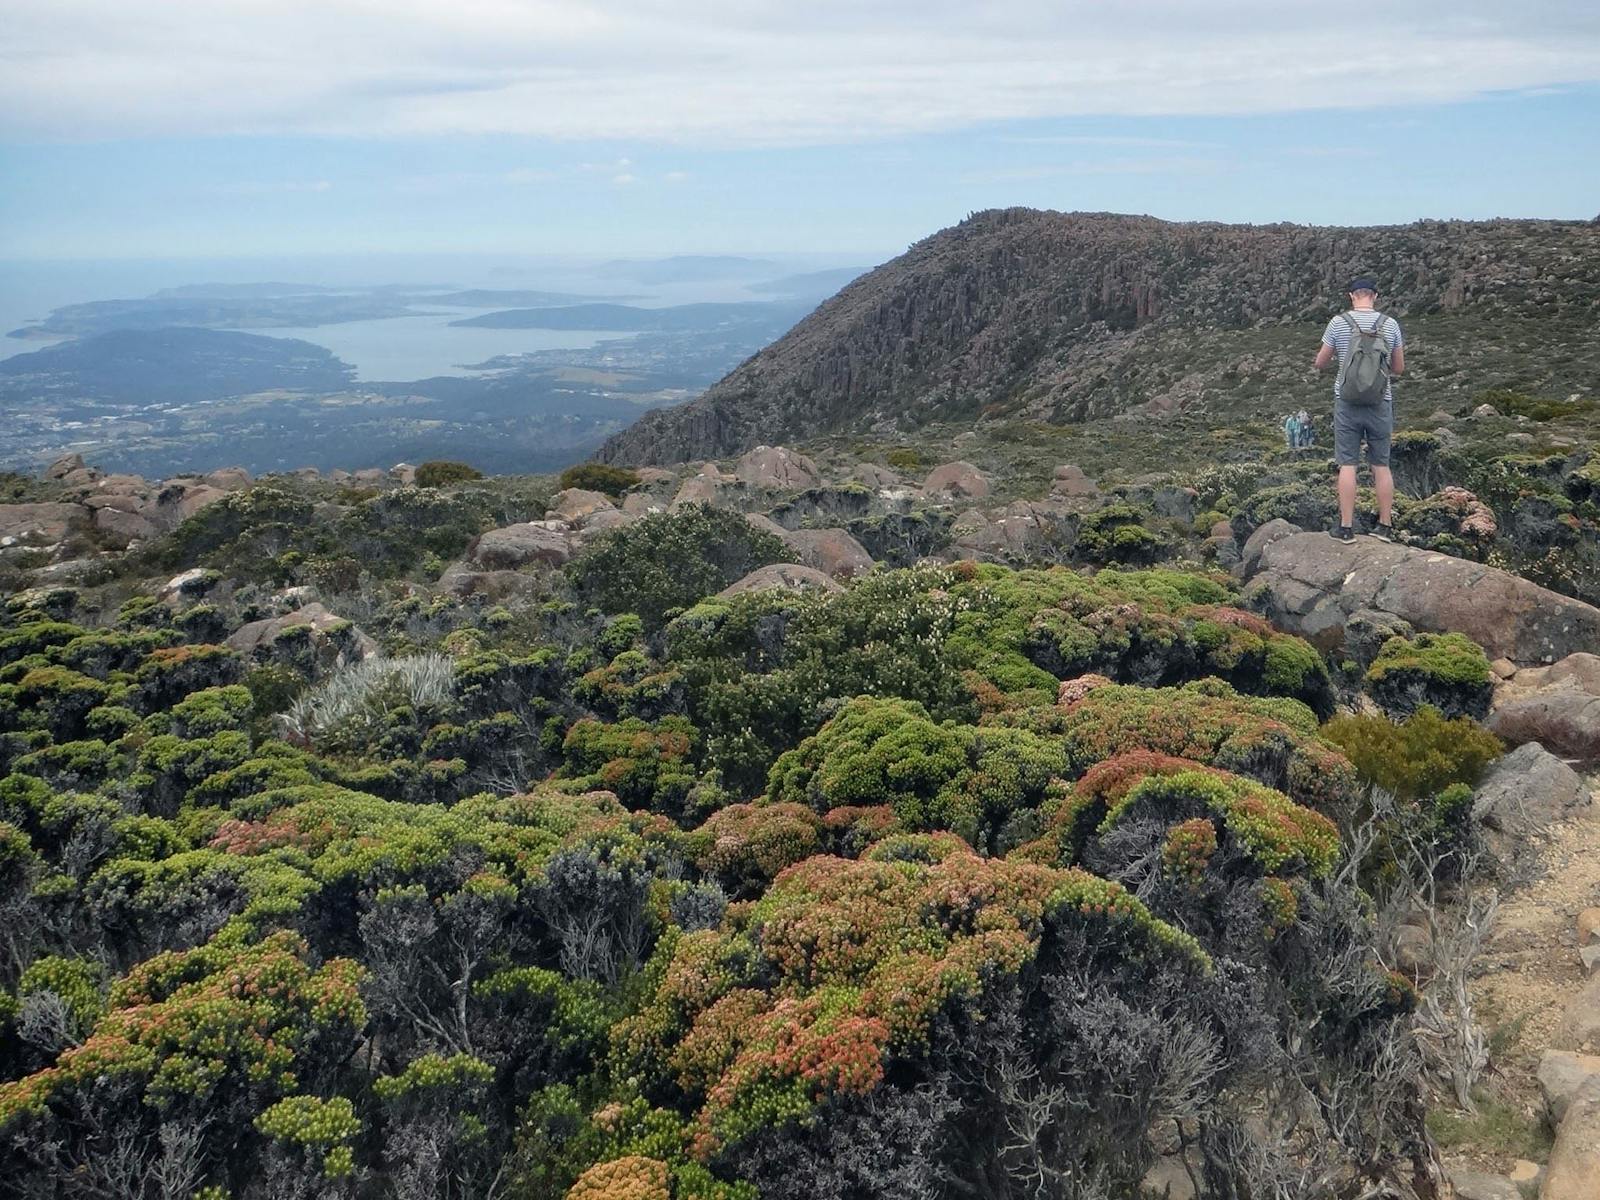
<point x="1369" y="350"/>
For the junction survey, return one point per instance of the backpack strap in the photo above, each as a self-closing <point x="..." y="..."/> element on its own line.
<point x="1355" y="325"/>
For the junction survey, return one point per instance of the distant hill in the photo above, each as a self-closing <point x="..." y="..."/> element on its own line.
<point x="1068" y="316"/>
<point x="244" y="311"/>
<point x="687" y="268"/>
<point x="136" y="366"/>
<point x="627" y="318"/>
<point x="812" y="284"/>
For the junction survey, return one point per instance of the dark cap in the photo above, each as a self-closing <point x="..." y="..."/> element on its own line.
<point x="1363" y="283"/>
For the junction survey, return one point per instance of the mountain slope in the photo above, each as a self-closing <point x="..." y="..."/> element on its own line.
<point x="1068" y="316"/>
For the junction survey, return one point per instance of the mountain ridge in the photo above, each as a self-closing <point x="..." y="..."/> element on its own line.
<point x="1064" y="317"/>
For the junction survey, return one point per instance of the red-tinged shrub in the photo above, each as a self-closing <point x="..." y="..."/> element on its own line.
<point x="844" y="967"/>
<point x="1274" y="741"/>
<point x="745" y="845"/>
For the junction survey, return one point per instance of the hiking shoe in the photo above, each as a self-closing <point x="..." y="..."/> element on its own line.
<point x="1384" y="533"/>
<point x="1342" y="533"/>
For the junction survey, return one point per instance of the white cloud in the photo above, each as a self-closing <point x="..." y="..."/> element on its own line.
<point x="1154" y="165"/>
<point x="723" y="72"/>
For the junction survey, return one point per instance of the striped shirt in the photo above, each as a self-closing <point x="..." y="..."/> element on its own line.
<point x="1337" y="338"/>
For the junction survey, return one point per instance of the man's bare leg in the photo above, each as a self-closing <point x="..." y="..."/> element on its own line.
<point x="1347" y="494"/>
<point x="1383" y="481"/>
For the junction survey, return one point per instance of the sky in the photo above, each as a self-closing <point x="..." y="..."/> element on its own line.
<point x="835" y="128"/>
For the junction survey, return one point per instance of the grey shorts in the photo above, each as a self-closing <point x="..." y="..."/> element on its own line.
<point x="1354" y="424"/>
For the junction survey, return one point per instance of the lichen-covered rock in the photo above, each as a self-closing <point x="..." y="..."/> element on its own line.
<point x="956" y="481"/>
<point x="574" y="505"/>
<point x="1260" y="538"/>
<point x="831" y="551"/>
<point x="1069" y="480"/>
<point x="1557" y="706"/>
<point x="1573" y="1172"/>
<point x="1521" y="795"/>
<point x="547" y="543"/>
<point x="1561" y="1074"/>
<point x="777" y="467"/>
<point x="48" y="521"/>
<point x="260" y="638"/>
<point x="1310" y="584"/>
<point x="786" y="576"/>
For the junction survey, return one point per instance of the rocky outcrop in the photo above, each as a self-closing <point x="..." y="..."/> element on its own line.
<point x="546" y="543"/>
<point x="1024" y="531"/>
<point x="1071" y="316"/>
<point x="832" y="551"/>
<point x="1562" y="1074"/>
<point x="573" y="505"/>
<point x="1310" y="584"/>
<point x="1580" y="1022"/>
<point x="777" y="468"/>
<point x="1557" y="706"/>
<point x="956" y="481"/>
<point x="1070" y="481"/>
<point x="1573" y="1172"/>
<point x="45" y="522"/>
<point x="1521" y="795"/>
<point x="259" y="638"/>
<point x="785" y="576"/>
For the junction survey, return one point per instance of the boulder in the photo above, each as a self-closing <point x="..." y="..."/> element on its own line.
<point x="831" y="551"/>
<point x="654" y="476"/>
<point x="462" y="580"/>
<point x="956" y="481"/>
<point x="1222" y="550"/>
<point x="1310" y="584"/>
<point x="766" y="524"/>
<point x="874" y="476"/>
<point x="1561" y="1074"/>
<point x="788" y="576"/>
<point x="127" y="526"/>
<point x="186" y="585"/>
<point x="260" y="636"/>
<point x="1168" y="1179"/>
<point x="1480" y="1185"/>
<point x="403" y="473"/>
<point x="1521" y="795"/>
<point x="1263" y="536"/>
<point x="1573" y="1172"/>
<point x="64" y="466"/>
<point x="573" y="505"/>
<point x="1021" y="531"/>
<point x="777" y="467"/>
<point x="1557" y="706"/>
<point x="547" y="543"/>
<point x="370" y="476"/>
<point x="227" y="479"/>
<point x="1070" y="480"/>
<point x="642" y="504"/>
<point x="698" y="489"/>
<point x="1580" y="1022"/>
<point x="1589" y="926"/>
<point x="600" y="522"/>
<point x="48" y="521"/>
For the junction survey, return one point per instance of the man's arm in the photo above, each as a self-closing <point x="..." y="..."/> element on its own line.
<point x="1397" y="361"/>
<point x="1324" y="357"/>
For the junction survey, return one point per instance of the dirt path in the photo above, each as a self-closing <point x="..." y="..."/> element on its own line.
<point x="1524" y="977"/>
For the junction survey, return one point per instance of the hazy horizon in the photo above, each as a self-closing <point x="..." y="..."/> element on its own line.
<point x="624" y="127"/>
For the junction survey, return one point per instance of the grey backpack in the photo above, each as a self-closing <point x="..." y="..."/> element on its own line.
<point x="1364" y="374"/>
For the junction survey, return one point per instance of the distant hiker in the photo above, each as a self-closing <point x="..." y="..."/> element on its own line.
<point x="1369" y="350"/>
